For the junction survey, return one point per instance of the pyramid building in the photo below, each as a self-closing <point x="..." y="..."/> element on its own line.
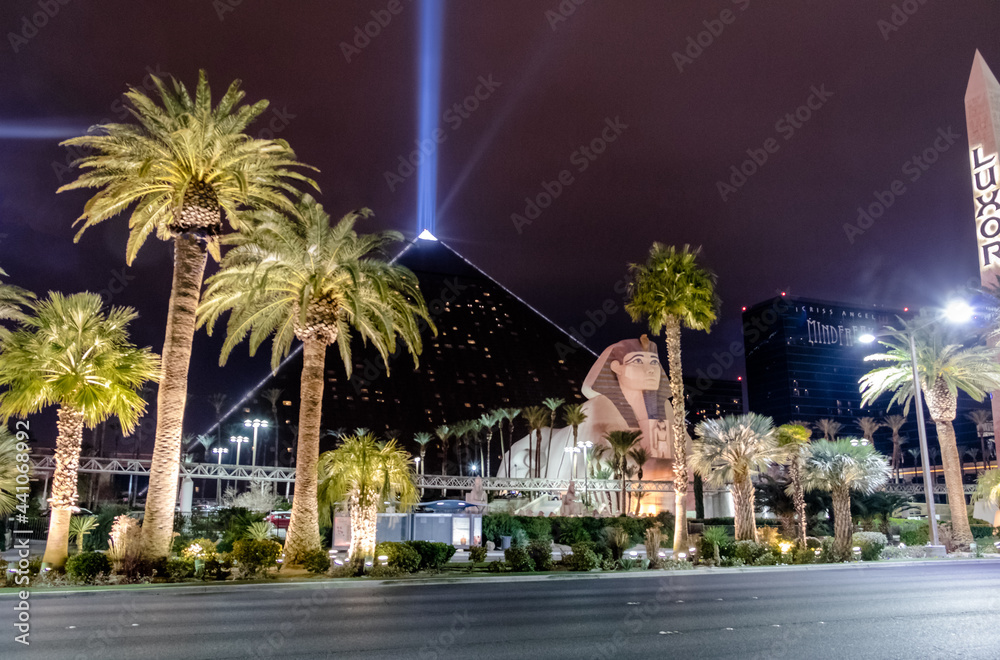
<point x="492" y="350"/>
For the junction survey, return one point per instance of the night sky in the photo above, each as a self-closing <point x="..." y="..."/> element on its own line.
<point x="874" y="83"/>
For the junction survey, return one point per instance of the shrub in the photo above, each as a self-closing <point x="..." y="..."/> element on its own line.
<point x="767" y="559"/>
<point x="520" y="539"/>
<point x="400" y="555"/>
<point x="317" y="561"/>
<point x="379" y="571"/>
<point x="259" y="531"/>
<point x="541" y="554"/>
<point x="86" y="566"/>
<point x="536" y="528"/>
<point x="518" y="559"/>
<point x="125" y="549"/>
<point x="608" y="564"/>
<point x="219" y="568"/>
<point x="477" y="554"/>
<point x="496" y="525"/>
<point x="253" y="558"/>
<point x="871" y="544"/>
<point x="179" y="568"/>
<point x="199" y="549"/>
<point x="914" y="532"/>
<point x="653" y="538"/>
<point x="677" y="565"/>
<point x="618" y="540"/>
<point x="106" y="514"/>
<point x="570" y="531"/>
<point x="628" y="564"/>
<point x="498" y="567"/>
<point x="432" y="555"/>
<point x="748" y="551"/>
<point x="583" y="558"/>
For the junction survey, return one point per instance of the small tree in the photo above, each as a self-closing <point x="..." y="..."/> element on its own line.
<point x="793" y="441"/>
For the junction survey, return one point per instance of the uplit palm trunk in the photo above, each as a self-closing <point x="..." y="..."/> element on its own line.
<point x="843" y="526"/>
<point x="489" y="446"/>
<point x="538" y="452"/>
<point x="189" y="269"/>
<point x="799" y="499"/>
<point x="942" y="406"/>
<point x="303" y="527"/>
<point x="896" y="455"/>
<point x="743" y="499"/>
<point x="364" y="521"/>
<point x="982" y="449"/>
<point x="672" y="329"/>
<point x="548" y="449"/>
<point x="64" y="482"/>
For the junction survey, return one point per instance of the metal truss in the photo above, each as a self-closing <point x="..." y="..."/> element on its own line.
<point x="95" y="465"/>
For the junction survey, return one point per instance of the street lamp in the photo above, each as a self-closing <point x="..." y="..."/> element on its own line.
<point x="956" y="312"/>
<point x="220" y="451"/>
<point x="239" y="440"/>
<point x="254" y="424"/>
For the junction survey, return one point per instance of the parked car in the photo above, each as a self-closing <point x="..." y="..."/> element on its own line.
<point x="279" y="519"/>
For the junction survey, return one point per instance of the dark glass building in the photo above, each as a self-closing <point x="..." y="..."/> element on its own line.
<point x="804" y="361"/>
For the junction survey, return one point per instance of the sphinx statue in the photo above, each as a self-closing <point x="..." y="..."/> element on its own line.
<point x="626" y="389"/>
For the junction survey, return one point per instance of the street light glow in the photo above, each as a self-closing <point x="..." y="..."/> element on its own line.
<point x="958" y="311"/>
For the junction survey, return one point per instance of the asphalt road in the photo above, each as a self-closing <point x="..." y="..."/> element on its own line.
<point x="934" y="610"/>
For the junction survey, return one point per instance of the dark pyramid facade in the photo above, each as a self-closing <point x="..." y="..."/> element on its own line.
<point x="492" y="350"/>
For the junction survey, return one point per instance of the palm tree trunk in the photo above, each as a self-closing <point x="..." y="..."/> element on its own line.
<point x="950" y="463"/>
<point x="843" y="527"/>
<point x="64" y="484"/>
<point x="798" y="497"/>
<point x="982" y="449"/>
<point x="746" y="525"/>
<point x="489" y="444"/>
<point x="303" y="527"/>
<point x="503" y="453"/>
<point x="364" y="523"/>
<point x="538" y="452"/>
<point x="189" y="270"/>
<point x="672" y="330"/>
<point x="548" y="449"/>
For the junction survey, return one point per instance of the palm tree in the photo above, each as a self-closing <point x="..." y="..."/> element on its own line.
<point x="731" y="449"/>
<point x="536" y="416"/>
<point x="868" y="427"/>
<point x="639" y="456"/>
<point x="573" y="416"/>
<point x="553" y="405"/>
<point x="71" y="354"/>
<point x="316" y="283"/>
<point x="486" y="422"/>
<point x="973" y="453"/>
<point x="895" y="423"/>
<point x="829" y="428"/>
<point x="982" y="419"/>
<point x="9" y="470"/>
<point x="793" y="443"/>
<point x="942" y="369"/>
<point x="841" y="467"/>
<point x="366" y="474"/>
<point x="422" y="438"/>
<point x="670" y="290"/>
<point x="915" y="453"/>
<point x="621" y="443"/>
<point x="182" y="169"/>
<point x="272" y="396"/>
<point x="444" y="434"/>
<point x="218" y="402"/>
<point x="510" y="414"/>
<point x="13" y="300"/>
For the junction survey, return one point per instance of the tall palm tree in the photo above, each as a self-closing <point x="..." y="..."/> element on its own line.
<point x="574" y="416"/>
<point x="982" y="420"/>
<point x="670" y="290"/>
<point x="366" y="474"/>
<point x="273" y="396"/>
<point x="9" y="470"/>
<point x="841" y="467"/>
<point x="639" y="457"/>
<point x="186" y="171"/>
<point x="460" y="431"/>
<point x="942" y="369"/>
<point x="218" y="402"/>
<point x="317" y="283"/>
<point x="71" y="354"/>
<point x="868" y="427"/>
<point x="793" y="443"/>
<point x="444" y="435"/>
<point x="895" y="423"/>
<point x="422" y="438"/>
<point x="731" y="449"/>
<point x="973" y="453"/>
<point x="486" y="422"/>
<point x="13" y="300"/>
<point x="829" y="428"/>
<point x="536" y="416"/>
<point x="552" y="404"/>
<point x="510" y="414"/>
<point x="620" y="444"/>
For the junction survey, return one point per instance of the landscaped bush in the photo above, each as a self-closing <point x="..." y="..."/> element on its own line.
<point x="203" y="549"/>
<point x="498" y="567"/>
<point x="981" y="531"/>
<point x="582" y="559"/>
<point x="400" y="555"/>
<point x="432" y="555"/>
<point x="179" y="568"/>
<point x="255" y="557"/>
<point x="497" y="525"/>
<point x="748" y="551"/>
<point x="618" y="541"/>
<point x="677" y="565"/>
<point x="106" y="514"/>
<point x="219" y="568"/>
<point x="379" y="571"/>
<point x="871" y="544"/>
<point x="570" y="531"/>
<point x="536" y="528"/>
<point x="477" y="554"/>
<point x="234" y="521"/>
<point x="541" y="554"/>
<point x="913" y="532"/>
<point x="520" y="538"/>
<point x="86" y="566"/>
<point x="518" y="559"/>
<point x="317" y="561"/>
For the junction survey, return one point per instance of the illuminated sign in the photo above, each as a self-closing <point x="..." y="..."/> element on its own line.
<point x="984" y="189"/>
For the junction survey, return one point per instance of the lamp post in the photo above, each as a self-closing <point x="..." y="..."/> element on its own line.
<point x="239" y="440"/>
<point x="220" y="452"/>
<point x="417" y="461"/>
<point x="254" y="424"/>
<point x="955" y="312"/>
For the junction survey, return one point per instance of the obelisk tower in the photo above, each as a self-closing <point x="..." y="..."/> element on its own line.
<point x="982" y="115"/>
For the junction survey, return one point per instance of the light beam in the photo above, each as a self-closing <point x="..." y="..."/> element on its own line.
<point x="429" y="91"/>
